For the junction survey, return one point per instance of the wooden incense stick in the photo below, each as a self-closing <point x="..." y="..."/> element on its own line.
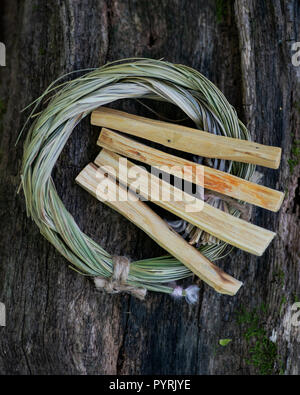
<point x="142" y="216"/>
<point x="224" y="226"/>
<point x="188" y="139"/>
<point x="208" y="177"/>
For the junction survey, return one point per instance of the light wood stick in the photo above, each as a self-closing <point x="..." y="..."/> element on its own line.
<point x="226" y="227"/>
<point x="188" y="139"/>
<point x="212" y="179"/>
<point x="142" y="216"/>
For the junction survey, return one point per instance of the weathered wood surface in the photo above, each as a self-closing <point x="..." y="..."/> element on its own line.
<point x="56" y="321"/>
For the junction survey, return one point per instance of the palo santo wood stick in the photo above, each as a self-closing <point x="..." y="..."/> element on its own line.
<point x="142" y="216"/>
<point x="188" y="139"/>
<point x="226" y="227"/>
<point x="212" y="179"/>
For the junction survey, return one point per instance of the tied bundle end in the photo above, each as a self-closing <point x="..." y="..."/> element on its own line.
<point x="118" y="281"/>
<point x="191" y="293"/>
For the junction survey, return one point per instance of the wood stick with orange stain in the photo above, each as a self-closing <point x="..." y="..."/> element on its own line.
<point x="208" y="177"/>
<point x="224" y="226"/>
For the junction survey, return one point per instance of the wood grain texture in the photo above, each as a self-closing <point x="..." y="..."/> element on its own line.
<point x="56" y="322"/>
<point x="226" y="227"/>
<point x="146" y="219"/>
<point x="187" y="139"/>
<point x="208" y="177"/>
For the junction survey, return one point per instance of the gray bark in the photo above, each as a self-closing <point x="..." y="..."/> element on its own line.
<point x="56" y="321"/>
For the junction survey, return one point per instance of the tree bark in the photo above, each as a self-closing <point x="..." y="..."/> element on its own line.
<point x="56" y="321"/>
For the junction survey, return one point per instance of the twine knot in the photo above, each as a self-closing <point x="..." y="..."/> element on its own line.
<point x="118" y="281"/>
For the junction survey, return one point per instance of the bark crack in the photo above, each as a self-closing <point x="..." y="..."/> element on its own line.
<point x="109" y="16"/>
<point x="121" y="353"/>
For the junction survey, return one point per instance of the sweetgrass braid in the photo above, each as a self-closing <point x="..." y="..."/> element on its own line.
<point x="71" y="101"/>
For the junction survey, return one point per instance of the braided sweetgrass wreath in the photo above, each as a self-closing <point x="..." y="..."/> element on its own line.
<point x="71" y="101"/>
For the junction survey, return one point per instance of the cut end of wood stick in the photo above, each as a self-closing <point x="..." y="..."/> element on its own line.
<point x="277" y="157"/>
<point x="146" y="219"/>
<point x="232" y="285"/>
<point x="280" y="196"/>
<point x="188" y="139"/>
